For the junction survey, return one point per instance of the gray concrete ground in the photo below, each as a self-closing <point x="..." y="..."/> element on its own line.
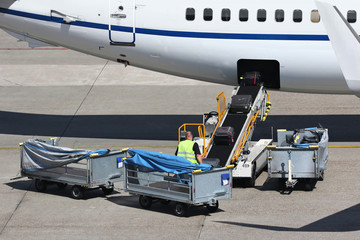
<point x="91" y="102"/>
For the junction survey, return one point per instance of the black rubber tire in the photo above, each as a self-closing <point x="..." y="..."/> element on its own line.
<point x="77" y="192"/>
<point x="61" y="185"/>
<point x="181" y="209"/>
<point x="213" y="209"/>
<point x="40" y="185"/>
<point x="145" y="201"/>
<point x="322" y="176"/>
<point x="107" y="191"/>
<point x="308" y="185"/>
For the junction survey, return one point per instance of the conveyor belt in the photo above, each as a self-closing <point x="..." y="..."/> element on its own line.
<point x="249" y="90"/>
<point x="223" y="151"/>
<point x="236" y="121"/>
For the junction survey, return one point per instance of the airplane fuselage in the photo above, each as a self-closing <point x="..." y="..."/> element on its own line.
<point x="208" y="40"/>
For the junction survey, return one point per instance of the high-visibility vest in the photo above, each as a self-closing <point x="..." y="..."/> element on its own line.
<point x="185" y="150"/>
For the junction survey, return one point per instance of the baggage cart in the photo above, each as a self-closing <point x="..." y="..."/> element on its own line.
<point x="199" y="188"/>
<point x="94" y="171"/>
<point x="300" y="155"/>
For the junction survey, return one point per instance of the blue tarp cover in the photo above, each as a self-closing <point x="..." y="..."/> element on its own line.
<point x="163" y="162"/>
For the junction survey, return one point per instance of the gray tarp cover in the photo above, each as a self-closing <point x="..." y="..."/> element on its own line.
<point x="323" y="150"/>
<point x="37" y="155"/>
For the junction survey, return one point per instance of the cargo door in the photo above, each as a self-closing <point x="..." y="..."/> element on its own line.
<point x="122" y="22"/>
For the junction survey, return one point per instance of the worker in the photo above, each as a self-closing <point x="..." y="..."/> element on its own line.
<point x="189" y="149"/>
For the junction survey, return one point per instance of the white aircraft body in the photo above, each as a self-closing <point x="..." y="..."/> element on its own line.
<point x="208" y="40"/>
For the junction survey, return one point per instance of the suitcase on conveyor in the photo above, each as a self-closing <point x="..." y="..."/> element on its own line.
<point x="224" y="136"/>
<point x="250" y="79"/>
<point x="240" y="103"/>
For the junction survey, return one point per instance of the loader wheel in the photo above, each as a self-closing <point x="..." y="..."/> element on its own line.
<point x="40" y="185"/>
<point x="181" y="209"/>
<point x="77" y="192"/>
<point x="145" y="202"/>
<point x="213" y="209"/>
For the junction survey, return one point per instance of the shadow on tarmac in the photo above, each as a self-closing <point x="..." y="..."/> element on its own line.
<point x="342" y="128"/>
<point x="28" y="185"/>
<point x="279" y="185"/>
<point x="158" y="206"/>
<point x="344" y="221"/>
<point x="125" y="200"/>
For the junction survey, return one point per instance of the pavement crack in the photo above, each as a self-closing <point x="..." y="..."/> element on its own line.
<point x="11" y="82"/>
<point x="202" y="227"/>
<point x="13" y="213"/>
<point x="82" y="102"/>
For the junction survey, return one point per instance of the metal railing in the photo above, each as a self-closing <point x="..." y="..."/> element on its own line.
<point x="244" y="137"/>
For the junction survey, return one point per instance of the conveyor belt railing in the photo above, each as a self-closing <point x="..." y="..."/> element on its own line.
<point x="222" y="109"/>
<point x="245" y="137"/>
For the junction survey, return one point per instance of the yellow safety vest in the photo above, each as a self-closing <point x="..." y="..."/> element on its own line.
<point x="185" y="150"/>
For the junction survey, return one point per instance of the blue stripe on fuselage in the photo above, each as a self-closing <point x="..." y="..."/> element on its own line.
<point x="168" y="33"/>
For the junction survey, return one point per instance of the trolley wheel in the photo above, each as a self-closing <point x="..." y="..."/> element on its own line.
<point x="107" y="191"/>
<point x="308" y="185"/>
<point x="40" y="185"/>
<point x="145" y="201"/>
<point x="181" y="209"/>
<point x="61" y="185"/>
<point x="213" y="209"/>
<point x="77" y="192"/>
<point x="322" y="176"/>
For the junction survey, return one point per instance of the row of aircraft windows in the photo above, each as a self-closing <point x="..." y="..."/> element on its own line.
<point x="261" y="15"/>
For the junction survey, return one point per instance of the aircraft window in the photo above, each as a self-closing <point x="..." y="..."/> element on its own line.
<point x="208" y="14"/>
<point x="261" y="15"/>
<point x="351" y="16"/>
<point x="243" y="15"/>
<point x="315" y="16"/>
<point x="279" y="15"/>
<point x="190" y="14"/>
<point x="297" y="15"/>
<point x="225" y="14"/>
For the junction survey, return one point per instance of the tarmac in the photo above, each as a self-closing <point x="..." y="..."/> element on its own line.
<point x="93" y="103"/>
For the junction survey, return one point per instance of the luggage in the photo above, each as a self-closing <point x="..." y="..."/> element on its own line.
<point x="224" y="136"/>
<point x="215" y="162"/>
<point x="250" y="79"/>
<point x="240" y="103"/>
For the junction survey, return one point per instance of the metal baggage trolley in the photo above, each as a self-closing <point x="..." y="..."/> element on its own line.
<point x="94" y="171"/>
<point x="300" y="155"/>
<point x="186" y="190"/>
